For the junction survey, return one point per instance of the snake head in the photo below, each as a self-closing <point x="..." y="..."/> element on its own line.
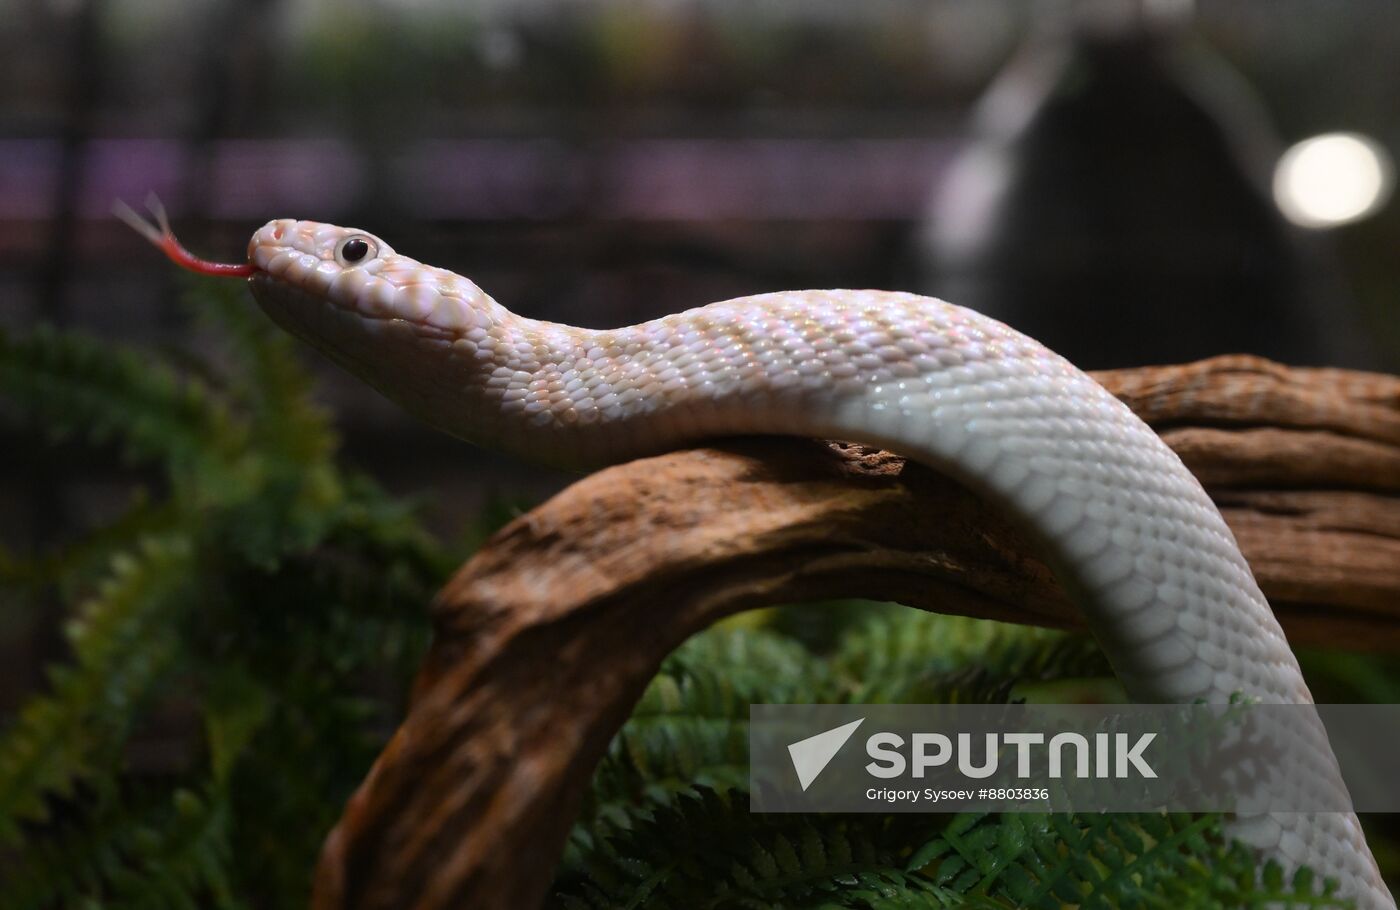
<point x="340" y="264"/>
<point x="296" y="264"/>
<point x="396" y="323"/>
<point x="299" y="264"/>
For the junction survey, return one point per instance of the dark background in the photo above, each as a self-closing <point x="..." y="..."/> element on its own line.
<point x="609" y="162"/>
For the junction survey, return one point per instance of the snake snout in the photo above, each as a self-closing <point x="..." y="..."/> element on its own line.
<point x="276" y="233"/>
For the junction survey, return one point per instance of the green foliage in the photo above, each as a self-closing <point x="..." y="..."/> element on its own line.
<point x="667" y="823"/>
<point x="268" y="605"/>
<point x="705" y="849"/>
<point x="256" y="596"/>
<point x="691" y="727"/>
<point x="80" y="386"/>
<point x="123" y="643"/>
<point x="903" y="656"/>
<point x="166" y="850"/>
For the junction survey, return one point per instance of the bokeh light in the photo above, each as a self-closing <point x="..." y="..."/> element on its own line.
<point x="1332" y="179"/>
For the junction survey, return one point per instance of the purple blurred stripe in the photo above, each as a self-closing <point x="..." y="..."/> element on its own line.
<point x="488" y="179"/>
<point x="128" y="169"/>
<point x="261" y="179"/>
<point x="28" y="177"/>
<point x="774" y="178"/>
<point x="492" y="178"/>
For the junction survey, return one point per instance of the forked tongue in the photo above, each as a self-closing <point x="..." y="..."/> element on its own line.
<point x="164" y="238"/>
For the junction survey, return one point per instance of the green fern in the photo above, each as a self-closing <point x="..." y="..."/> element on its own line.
<point x="124" y="641"/>
<point x="80" y="386"/>
<point x="160" y="851"/>
<point x="261" y="582"/>
<point x="901" y="655"/>
<point x="691" y="728"/>
<point x="667" y="823"/>
<point x="706" y="849"/>
<point x="272" y="387"/>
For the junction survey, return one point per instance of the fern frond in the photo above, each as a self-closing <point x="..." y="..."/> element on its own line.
<point x="385" y="531"/>
<point x="904" y="655"/>
<point x="271" y="382"/>
<point x="164" y="852"/>
<point x="74" y="566"/>
<point x="291" y="781"/>
<point x="311" y="588"/>
<point x="707" y="850"/>
<point x="750" y="664"/>
<point x="81" y="386"/>
<point x="1106" y="861"/>
<point x="691" y="727"/>
<point x="124" y="640"/>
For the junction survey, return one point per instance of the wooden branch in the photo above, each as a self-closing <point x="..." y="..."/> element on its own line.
<point x="546" y="638"/>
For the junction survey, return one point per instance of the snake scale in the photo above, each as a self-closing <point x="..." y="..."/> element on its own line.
<point x="1133" y="535"/>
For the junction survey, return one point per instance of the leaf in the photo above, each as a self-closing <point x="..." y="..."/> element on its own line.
<point x="124" y="641"/>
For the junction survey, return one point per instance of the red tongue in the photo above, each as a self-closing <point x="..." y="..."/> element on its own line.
<point x="181" y="256"/>
<point x="161" y="235"/>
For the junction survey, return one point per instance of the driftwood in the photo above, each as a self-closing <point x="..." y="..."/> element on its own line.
<point x="547" y="636"/>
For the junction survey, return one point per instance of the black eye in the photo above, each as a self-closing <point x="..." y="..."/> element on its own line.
<point x="354" y="249"/>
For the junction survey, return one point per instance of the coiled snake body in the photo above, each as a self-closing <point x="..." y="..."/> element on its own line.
<point x="1164" y="586"/>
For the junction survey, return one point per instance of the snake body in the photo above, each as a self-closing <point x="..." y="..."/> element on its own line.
<point x="1132" y="533"/>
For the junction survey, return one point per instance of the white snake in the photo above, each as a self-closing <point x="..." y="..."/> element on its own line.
<point x="1163" y="584"/>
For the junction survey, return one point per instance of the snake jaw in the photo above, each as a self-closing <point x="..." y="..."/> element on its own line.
<point x="164" y="239"/>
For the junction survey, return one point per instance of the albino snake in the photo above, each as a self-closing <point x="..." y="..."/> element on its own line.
<point x="1161" y="580"/>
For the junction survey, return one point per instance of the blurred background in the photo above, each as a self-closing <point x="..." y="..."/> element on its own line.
<point x="1103" y="175"/>
<point x="1130" y="181"/>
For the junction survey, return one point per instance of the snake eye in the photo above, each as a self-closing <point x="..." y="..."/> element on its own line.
<point x="355" y="250"/>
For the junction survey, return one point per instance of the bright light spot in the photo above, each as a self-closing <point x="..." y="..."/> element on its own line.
<point x="1332" y="179"/>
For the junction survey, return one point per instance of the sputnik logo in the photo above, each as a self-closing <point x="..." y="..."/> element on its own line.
<point x="811" y="755"/>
